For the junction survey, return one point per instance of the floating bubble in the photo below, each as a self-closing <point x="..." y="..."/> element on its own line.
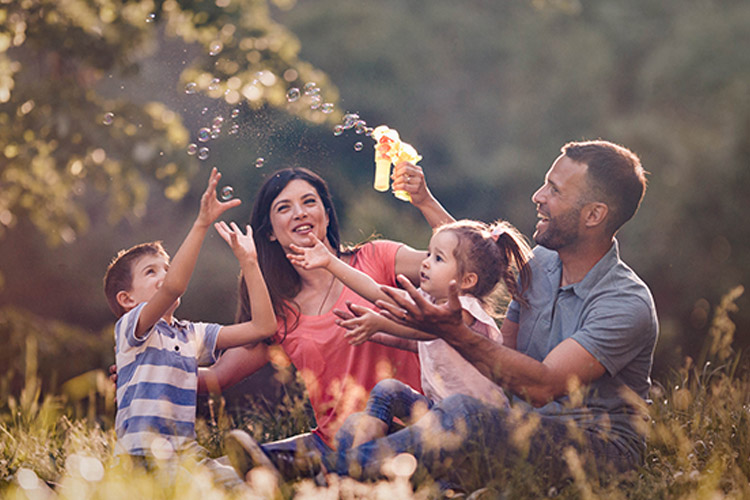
<point x="310" y="88"/>
<point x="350" y="119"/>
<point x="338" y="130"/>
<point x="203" y="153"/>
<point x="215" y="47"/>
<point x="235" y="113"/>
<point x="215" y="132"/>
<point x="214" y="85"/>
<point x="216" y="123"/>
<point x="292" y="94"/>
<point x="191" y="88"/>
<point x="259" y="162"/>
<point x="368" y="131"/>
<point x="327" y="108"/>
<point x="358" y="146"/>
<point x="360" y="127"/>
<point x="204" y="111"/>
<point x="234" y="129"/>
<point x="108" y="118"/>
<point x="192" y="149"/>
<point x="227" y="192"/>
<point x="204" y="134"/>
<point x="151" y="18"/>
<point x="315" y="102"/>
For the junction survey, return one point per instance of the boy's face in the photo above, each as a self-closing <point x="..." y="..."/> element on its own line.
<point x="148" y="275"/>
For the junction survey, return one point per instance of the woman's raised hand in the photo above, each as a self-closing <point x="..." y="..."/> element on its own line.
<point x="312" y="257"/>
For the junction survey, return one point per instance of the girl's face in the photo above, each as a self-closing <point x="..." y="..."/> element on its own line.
<point x="296" y="214"/>
<point x="440" y="265"/>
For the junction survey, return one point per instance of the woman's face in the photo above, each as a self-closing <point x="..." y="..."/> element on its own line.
<point x="296" y="214"/>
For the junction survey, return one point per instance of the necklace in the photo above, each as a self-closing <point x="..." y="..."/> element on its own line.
<point x="330" y="287"/>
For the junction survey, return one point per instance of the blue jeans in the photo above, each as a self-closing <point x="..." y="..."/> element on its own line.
<point x="462" y="435"/>
<point x="307" y="442"/>
<point x="392" y="398"/>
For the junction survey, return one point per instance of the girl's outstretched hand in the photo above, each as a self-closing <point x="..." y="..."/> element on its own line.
<point x="417" y="312"/>
<point x="241" y="244"/>
<point x="362" y="323"/>
<point x="312" y="257"/>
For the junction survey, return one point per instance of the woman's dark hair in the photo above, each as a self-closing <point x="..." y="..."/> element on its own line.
<point x="282" y="279"/>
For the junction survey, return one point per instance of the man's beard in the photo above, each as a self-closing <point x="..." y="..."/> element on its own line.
<point x="561" y="231"/>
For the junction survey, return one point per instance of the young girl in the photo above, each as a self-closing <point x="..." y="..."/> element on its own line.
<point x="476" y="256"/>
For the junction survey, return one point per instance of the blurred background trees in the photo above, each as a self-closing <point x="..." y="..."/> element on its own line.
<point x="99" y="101"/>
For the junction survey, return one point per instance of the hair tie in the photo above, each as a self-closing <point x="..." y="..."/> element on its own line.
<point x="495" y="234"/>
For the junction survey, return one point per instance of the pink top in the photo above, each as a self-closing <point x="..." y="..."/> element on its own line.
<point x="337" y="375"/>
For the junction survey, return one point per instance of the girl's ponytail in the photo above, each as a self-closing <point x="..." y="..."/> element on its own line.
<point x="516" y="253"/>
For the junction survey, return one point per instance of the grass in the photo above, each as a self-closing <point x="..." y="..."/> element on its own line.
<point x="60" y="446"/>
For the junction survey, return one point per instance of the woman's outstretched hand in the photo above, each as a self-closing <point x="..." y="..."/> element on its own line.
<point x="417" y="312"/>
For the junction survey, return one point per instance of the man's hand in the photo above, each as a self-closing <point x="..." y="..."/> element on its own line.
<point x="312" y="257"/>
<point x="410" y="178"/>
<point x="417" y="312"/>
<point x="241" y="244"/>
<point x="211" y="207"/>
<point x="362" y="323"/>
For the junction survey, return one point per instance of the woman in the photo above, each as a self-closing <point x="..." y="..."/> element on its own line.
<point x="290" y="207"/>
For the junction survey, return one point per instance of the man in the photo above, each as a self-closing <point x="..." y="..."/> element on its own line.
<point x="577" y="357"/>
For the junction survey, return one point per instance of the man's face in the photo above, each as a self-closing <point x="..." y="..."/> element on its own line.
<point x="559" y="204"/>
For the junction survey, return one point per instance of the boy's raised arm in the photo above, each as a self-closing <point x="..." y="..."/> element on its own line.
<point x="263" y="322"/>
<point x="182" y="265"/>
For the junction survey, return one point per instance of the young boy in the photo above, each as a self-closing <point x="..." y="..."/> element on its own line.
<point x="157" y="356"/>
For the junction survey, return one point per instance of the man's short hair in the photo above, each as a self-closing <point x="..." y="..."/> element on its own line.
<point x="615" y="175"/>
<point x="119" y="275"/>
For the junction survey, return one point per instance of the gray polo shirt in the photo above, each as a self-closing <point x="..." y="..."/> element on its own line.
<point x="611" y="314"/>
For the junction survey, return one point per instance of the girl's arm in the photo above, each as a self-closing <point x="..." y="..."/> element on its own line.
<point x="318" y="256"/>
<point x="263" y="322"/>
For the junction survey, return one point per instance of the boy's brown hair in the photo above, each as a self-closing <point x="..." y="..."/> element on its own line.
<point x="119" y="275"/>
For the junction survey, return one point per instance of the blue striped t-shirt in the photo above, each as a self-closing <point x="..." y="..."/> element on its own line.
<point x="157" y="381"/>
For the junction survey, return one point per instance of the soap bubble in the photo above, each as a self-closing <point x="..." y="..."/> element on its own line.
<point x="259" y="162"/>
<point x="350" y="119"/>
<point x="358" y="146"/>
<point x="327" y="108"/>
<point x="215" y="132"/>
<point x="235" y="113"/>
<point x="292" y="94"/>
<point x="191" y="88"/>
<point x="150" y="18"/>
<point x="234" y="129"/>
<point x="360" y="127"/>
<point x="108" y="118"/>
<point x="214" y="84"/>
<point x="310" y="88"/>
<point x="338" y="130"/>
<point x="203" y="153"/>
<point x="204" y="134"/>
<point x="215" y="47"/>
<point x="204" y="111"/>
<point x="315" y="102"/>
<point x="227" y="192"/>
<point x="217" y="122"/>
<point x="192" y="148"/>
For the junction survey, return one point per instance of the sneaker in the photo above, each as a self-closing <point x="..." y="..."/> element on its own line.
<point x="245" y="454"/>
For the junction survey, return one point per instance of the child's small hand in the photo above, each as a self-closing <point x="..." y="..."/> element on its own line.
<point x="361" y="322"/>
<point x="313" y="257"/>
<point x="211" y="206"/>
<point x="241" y="244"/>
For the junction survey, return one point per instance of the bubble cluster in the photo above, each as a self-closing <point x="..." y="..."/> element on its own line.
<point x="350" y="119"/>
<point x="108" y="119"/>
<point x="259" y="162"/>
<point x="191" y="88"/>
<point x="227" y="192"/>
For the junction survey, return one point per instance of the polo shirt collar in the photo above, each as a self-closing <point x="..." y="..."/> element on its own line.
<point x="584" y="287"/>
